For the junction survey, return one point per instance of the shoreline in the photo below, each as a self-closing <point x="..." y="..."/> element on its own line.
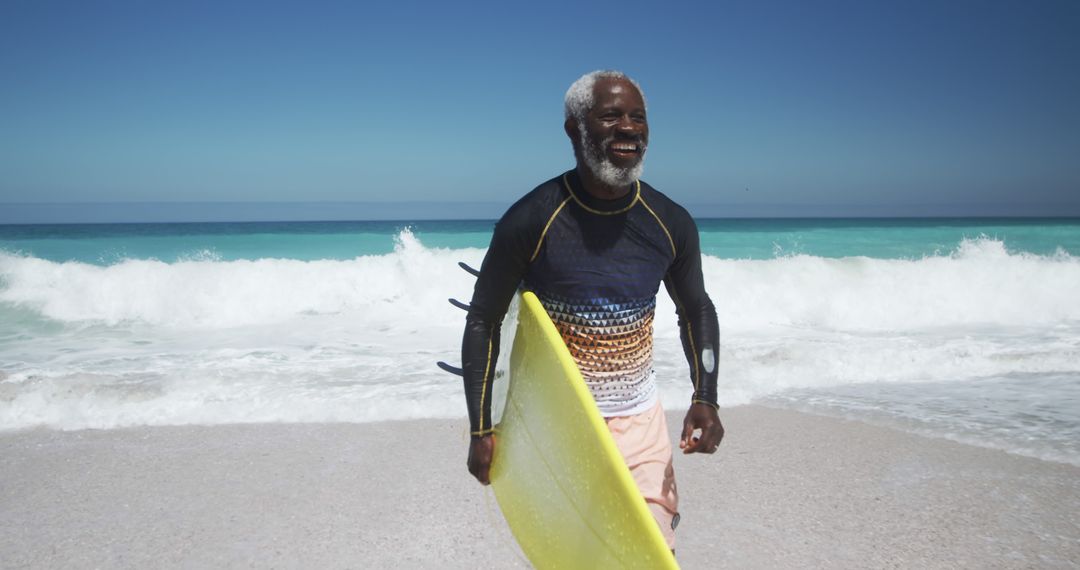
<point x="921" y="429"/>
<point x="787" y="489"/>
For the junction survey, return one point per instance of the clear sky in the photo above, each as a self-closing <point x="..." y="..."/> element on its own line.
<point x="759" y="108"/>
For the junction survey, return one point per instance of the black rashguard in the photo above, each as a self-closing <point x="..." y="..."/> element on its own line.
<point x="596" y="266"/>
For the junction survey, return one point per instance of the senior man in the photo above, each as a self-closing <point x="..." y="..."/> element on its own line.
<point x="594" y="244"/>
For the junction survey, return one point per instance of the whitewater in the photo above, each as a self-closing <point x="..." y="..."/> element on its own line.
<point x="975" y="342"/>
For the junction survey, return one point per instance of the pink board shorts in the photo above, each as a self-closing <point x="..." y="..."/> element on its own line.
<point x="643" y="441"/>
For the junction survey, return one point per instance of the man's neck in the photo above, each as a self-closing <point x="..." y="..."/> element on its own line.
<point x="598" y="189"/>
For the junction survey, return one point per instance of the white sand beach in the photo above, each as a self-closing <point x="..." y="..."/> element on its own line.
<point x="787" y="490"/>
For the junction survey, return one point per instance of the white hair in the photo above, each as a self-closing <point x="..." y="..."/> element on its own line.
<point x="579" y="97"/>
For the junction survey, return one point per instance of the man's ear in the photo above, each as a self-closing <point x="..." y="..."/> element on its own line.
<point x="571" y="128"/>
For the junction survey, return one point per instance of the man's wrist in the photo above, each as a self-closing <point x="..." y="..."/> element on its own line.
<point x="712" y="405"/>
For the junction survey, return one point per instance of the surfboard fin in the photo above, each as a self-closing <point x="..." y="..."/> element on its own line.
<point x="472" y="271"/>
<point x="451" y="369"/>
<point x="464" y="307"/>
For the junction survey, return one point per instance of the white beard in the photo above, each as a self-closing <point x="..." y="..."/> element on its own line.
<point x="601" y="166"/>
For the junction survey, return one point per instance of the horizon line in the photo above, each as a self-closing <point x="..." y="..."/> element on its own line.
<point x="26" y="213"/>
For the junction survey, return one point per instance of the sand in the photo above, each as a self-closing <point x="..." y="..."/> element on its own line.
<point x="787" y="490"/>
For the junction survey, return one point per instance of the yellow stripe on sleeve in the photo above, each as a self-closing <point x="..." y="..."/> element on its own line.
<point x="483" y="390"/>
<point x="540" y="242"/>
<point x="662" y="226"/>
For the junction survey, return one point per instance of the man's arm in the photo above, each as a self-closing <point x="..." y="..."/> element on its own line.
<point x="502" y="271"/>
<point x="699" y="331"/>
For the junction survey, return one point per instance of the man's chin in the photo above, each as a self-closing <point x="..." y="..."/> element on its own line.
<point x="608" y="173"/>
<point x="615" y="176"/>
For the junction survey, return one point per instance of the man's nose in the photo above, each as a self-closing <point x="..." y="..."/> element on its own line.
<point x="627" y="125"/>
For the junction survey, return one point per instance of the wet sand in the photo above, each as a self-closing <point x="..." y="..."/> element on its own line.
<point x="787" y="490"/>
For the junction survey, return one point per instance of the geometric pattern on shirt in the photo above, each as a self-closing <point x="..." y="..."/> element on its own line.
<point x="611" y="341"/>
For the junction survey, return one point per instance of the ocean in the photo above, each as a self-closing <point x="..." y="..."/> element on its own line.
<point x="967" y="329"/>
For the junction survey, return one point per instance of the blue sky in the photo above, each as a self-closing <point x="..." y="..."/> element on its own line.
<point x="755" y="108"/>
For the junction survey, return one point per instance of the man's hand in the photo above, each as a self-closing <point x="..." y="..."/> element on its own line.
<point x="481" y="450"/>
<point x="701" y="417"/>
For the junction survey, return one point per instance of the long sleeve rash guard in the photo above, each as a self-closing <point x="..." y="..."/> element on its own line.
<point x="596" y="266"/>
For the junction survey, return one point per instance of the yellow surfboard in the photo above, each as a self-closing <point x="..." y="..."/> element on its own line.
<point x="559" y="479"/>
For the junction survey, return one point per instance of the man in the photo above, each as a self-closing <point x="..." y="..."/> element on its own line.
<point x="594" y="245"/>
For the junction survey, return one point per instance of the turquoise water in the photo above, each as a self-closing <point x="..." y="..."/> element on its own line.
<point x="105" y="244"/>
<point x="960" y="328"/>
<point x="881" y="238"/>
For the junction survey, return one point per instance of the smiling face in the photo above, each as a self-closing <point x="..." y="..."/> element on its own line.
<point x="615" y="133"/>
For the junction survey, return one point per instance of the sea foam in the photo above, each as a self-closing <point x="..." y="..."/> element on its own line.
<point x="199" y="340"/>
<point x="409" y="285"/>
<point x="978" y="284"/>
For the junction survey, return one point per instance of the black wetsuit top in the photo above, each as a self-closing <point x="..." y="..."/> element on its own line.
<point x="596" y="266"/>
